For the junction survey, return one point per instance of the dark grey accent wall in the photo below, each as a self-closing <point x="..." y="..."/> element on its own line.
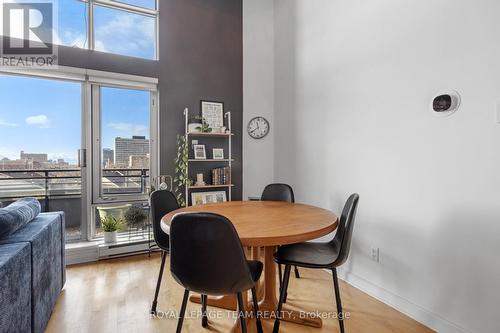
<point x="200" y="58"/>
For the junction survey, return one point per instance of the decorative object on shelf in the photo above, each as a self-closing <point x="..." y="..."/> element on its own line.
<point x="195" y="127"/>
<point x="165" y="182"/>
<point x="181" y="180"/>
<point x="213" y="114"/>
<point x="198" y="124"/>
<point x="199" y="180"/>
<point x="258" y="127"/>
<point x="218" y="154"/>
<point x="199" y="152"/>
<point x="110" y="225"/>
<point x="201" y="198"/>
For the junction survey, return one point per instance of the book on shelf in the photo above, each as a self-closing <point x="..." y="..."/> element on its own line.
<point x="221" y="176"/>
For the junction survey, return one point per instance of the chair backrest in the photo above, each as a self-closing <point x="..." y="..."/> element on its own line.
<point x="342" y="239"/>
<point x="162" y="202"/>
<point x="206" y="255"/>
<point x="278" y="192"/>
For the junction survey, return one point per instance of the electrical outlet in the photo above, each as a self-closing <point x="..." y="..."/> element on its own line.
<point x="376" y="254"/>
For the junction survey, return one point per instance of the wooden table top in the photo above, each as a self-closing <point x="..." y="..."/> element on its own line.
<point x="268" y="223"/>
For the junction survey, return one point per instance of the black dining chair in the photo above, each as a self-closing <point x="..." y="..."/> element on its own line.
<point x="162" y="202"/>
<point x="206" y="257"/>
<point x="320" y="256"/>
<point x="280" y="192"/>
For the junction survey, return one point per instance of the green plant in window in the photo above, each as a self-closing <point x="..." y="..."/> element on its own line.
<point x="181" y="179"/>
<point x="135" y="216"/>
<point x="111" y="224"/>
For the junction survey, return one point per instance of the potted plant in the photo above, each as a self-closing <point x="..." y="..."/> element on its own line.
<point x="110" y="225"/>
<point x="135" y="216"/>
<point x="198" y="124"/>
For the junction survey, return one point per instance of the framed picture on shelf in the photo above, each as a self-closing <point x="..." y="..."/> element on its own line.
<point x="199" y="152"/>
<point x="218" y="154"/>
<point x="201" y="198"/>
<point x="197" y="198"/>
<point x="213" y="114"/>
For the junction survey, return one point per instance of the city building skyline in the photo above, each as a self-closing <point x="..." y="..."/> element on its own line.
<point x="128" y="151"/>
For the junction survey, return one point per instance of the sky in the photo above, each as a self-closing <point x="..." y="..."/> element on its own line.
<point x="115" y="31"/>
<point x="44" y="116"/>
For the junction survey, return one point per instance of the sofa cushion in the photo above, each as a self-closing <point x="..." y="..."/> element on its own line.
<point x="18" y="214"/>
<point x="15" y="287"/>
<point x="46" y="236"/>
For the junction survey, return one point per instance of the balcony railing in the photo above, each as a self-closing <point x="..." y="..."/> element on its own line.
<point x="61" y="189"/>
<point x="53" y="183"/>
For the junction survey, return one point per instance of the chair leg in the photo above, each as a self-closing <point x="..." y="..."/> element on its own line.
<point x="280" y="275"/>
<point x="297" y="275"/>
<point x="158" y="283"/>
<point x="283" y="291"/>
<point x="241" y="313"/>
<point x="183" y="311"/>
<point x="256" y="310"/>
<point x="337" y="299"/>
<point x="204" y="318"/>
<point x="281" y="281"/>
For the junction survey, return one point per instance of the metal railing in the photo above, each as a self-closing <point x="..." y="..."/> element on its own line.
<point x="56" y="183"/>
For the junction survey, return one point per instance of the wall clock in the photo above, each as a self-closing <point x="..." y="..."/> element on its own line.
<point x="258" y="127"/>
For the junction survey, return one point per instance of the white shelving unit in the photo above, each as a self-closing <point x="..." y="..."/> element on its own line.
<point x="228" y="161"/>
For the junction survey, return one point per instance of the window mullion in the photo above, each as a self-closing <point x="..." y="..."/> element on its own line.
<point x="126" y="7"/>
<point x="90" y="32"/>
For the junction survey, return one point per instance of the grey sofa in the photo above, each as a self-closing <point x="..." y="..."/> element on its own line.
<point x="32" y="273"/>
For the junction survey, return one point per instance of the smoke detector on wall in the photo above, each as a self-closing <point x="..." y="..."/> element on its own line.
<point x="445" y="103"/>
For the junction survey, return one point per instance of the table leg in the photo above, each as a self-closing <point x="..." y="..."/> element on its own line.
<point x="259" y="286"/>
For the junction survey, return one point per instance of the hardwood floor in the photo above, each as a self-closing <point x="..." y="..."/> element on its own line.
<point x="115" y="296"/>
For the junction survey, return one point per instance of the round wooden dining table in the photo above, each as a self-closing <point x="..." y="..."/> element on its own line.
<point x="267" y="224"/>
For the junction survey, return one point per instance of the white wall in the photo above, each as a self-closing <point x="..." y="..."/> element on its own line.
<point x="258" y="93"/>
<point x="353" y="84"/>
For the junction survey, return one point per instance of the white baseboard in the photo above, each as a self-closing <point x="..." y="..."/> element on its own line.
<point x="81" y="255"/>
<point x="412" y="310"/>
<point x="83" y="252"/>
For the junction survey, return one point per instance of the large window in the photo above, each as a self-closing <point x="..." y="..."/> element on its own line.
<point x="40" y="137"/>
<point x="82" y="144"/>
<point x="123" y="152"/>
<point x="125" y="27"/>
